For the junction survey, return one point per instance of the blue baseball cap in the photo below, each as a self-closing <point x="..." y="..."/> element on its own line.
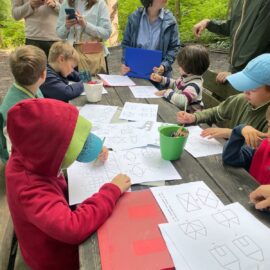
<point x="254" y="75"/>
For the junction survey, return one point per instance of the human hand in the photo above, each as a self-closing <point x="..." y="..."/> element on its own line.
<point x="160" y="93"/>
<point x="155" y="77"/>
<point x="253" y="136"/>
<point x="159" y="70"/>
<point x="199" y="27"/>
<point x="122" y="181"/>
<point x="222" y="76"/>
<point x="103" y="156"/>
<point x="210" y="133"/>
<point x="185" y="118"/>
<point x="124" y="69"/>
<point x="36" y="3"/>
<point x="50" y="3"/>
<point x="261" y="197"/>
<point x="70" y="23"/>
<point x="80" y="20"/>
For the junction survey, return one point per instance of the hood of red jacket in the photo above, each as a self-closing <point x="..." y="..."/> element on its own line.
<point x="40" y="131"/>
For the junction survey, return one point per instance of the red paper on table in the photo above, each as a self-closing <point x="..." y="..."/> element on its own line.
<point x="130" y="238"/>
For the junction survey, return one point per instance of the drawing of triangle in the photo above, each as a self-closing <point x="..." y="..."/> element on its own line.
<point x="188" y="202"/>
<point x="234" y="220"/>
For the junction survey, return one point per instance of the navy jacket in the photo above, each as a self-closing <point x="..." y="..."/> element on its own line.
<point x="235" y="152"/>
<point x="58" y="87"/>
<point x="169" y="38"/>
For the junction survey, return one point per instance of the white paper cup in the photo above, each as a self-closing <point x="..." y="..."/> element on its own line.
<point x="93" y="91"/>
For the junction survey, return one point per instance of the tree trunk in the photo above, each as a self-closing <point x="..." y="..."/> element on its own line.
<point x="113" y="9"/>
<point x="177" y="11"/>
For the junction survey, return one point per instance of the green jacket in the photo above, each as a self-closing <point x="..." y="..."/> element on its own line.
<point x="238" y="111"/>
<point x="248" y="30"/>
<point x="15" y="94"/>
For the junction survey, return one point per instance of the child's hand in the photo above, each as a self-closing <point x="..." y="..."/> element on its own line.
<point x="261" y="197"/>
<point x="155" y="77"/>
<point x="253" y="136"/>
<point x="185" y="118"/>
<point x="36" y="3"/>
<point x="124" y="69"/>
<point x="159" y="70"/>
<point x="210" y="133"/>
<point x="103" y="156"/>
<point x="222" y="76"/>
<point x="122" y="181"/>
<point x="160" y="93"/>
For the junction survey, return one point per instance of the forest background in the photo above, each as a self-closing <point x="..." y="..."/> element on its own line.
<point x="187" y="13"/>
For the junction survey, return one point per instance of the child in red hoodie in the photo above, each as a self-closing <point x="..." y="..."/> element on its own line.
<point x="48" y="135"/>
<point x="251" y="157"/>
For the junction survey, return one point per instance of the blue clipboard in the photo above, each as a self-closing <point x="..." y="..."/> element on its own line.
<point x="142" y="62"/>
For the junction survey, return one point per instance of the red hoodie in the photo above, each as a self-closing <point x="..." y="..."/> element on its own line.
<point x="260" y="165"/>
<point x="47" y="229"/>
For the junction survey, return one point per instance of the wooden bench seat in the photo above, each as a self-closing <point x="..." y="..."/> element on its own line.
<point x="213" y="92"/>
<point x="8" y="245"/>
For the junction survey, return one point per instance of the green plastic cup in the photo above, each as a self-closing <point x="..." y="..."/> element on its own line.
<point x="171" y="147"/>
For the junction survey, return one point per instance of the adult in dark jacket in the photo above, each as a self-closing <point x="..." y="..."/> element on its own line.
<point x="62" y="81"/>
<point x="248" y="30"/>
<point x="155" y="28"/>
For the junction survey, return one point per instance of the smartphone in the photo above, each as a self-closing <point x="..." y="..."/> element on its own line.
<point x="71" y="13"/>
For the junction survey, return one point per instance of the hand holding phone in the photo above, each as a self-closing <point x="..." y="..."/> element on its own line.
<point x="71" y="13"/>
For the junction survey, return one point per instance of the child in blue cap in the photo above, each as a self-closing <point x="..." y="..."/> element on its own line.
<point x="247" y="108"/>
<point x="48" y="135"/>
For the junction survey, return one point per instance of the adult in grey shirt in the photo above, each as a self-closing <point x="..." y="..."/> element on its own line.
<point x="40" y="21"/>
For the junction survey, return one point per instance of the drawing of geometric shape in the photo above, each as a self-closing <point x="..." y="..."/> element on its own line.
<point x="225" y="257"/>
<point x="193" y="229"/>
<point x="136" y="170"/>
<point x="249" y="248"/>
<point x="226" y="218"/>
<point x="188" y="202"/>
<point x="148" y="152"/>
<point x="207" y="198"/>
<point x="130" y="156"/>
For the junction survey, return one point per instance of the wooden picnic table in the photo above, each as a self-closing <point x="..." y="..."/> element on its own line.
<point x="229" y="184"/>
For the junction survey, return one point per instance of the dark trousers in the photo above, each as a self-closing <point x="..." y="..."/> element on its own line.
<point x="44" y="45"/>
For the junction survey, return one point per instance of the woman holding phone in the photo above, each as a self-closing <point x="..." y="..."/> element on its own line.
<point x="91" y="23"/>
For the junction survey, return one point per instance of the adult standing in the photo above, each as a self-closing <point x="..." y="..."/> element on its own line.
<point x="40" y="21"/>
<point x="92" y="23"/>
<point x="153" y="27"/>
<point x="248" y="30"/>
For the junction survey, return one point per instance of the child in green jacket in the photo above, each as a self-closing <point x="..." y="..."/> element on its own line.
<point x="28" y="66"/>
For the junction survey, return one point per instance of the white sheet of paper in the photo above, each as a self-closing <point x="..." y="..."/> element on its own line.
<point x="186" y="200"/>
<point x="198" y="146"/>
<point x="144" y="91"/>
<point x="140" y="164"/>
<point x="139" y="112"/>
<point x="116" y="80"/>
<point x="104" y="91"/>
<point x="230" y="238"/>
<point x="99" y="114"/>
<point x="122" y="136"/>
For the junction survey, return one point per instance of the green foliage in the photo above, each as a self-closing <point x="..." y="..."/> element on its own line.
<point x="11" y="31"/>
<point x="192" y="11"/>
